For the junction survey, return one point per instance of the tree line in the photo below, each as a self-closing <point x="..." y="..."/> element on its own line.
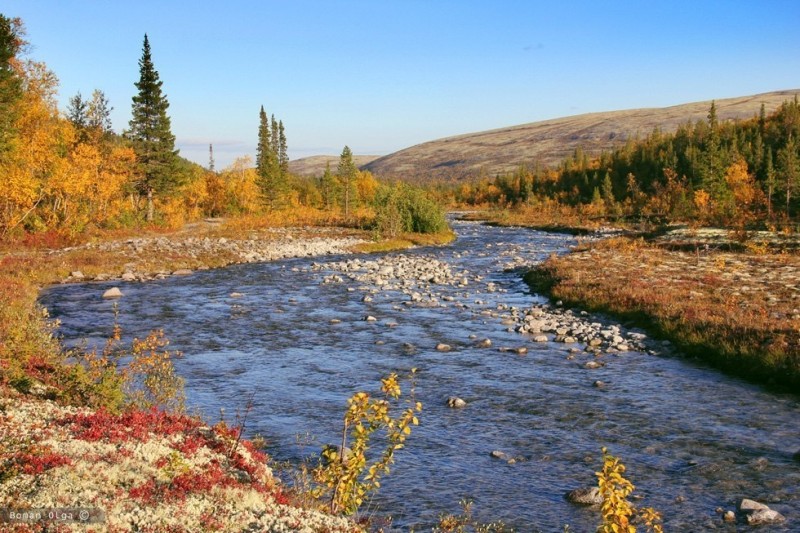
<point x="732" y="173"/>
<point x="65" y="173"/>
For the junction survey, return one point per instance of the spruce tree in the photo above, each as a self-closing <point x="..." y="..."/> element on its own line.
<point x="151" y="134"/>
<point x="11" y="42"/>
<point x="76" y="111"/>
<point x="283" y="156"/>
<point x="267" y="168"/>
<point x="347" y="175"/>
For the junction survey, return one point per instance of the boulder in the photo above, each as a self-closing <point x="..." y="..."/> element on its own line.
<point x="113" y="292"/>
<point x="540" y="338"/>
<point x="456" y="402"/>
<point x="442" y="347"/>
<point x="77" y="274"/>
<point x="182" y="272"/>
<point x="585" y="496"/>
<point x="485" y="343"/>
<point x="757" y="514"/>
<point x="592" y="365"/>
<point x="128" y="276"/>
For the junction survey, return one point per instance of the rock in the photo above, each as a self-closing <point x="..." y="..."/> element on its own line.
<point x="765" y="516"/>
<point x="442" y="347"/>
<point x="113" y="292"/>
<point x="592" y="365"/>
<point x="456" y="402"/>
<point x="599" y="384"/>
<point x="796" y="456"/>
<point x="758" y="514"/>
<point x="585" y="496"/>
<point x="521" y="350"/>
<point x="540" y="338"/>
<point x="236" y="295"/>
<point x="334" y="321"/>
<point x="569" y="340"/>
<point x="182" y="272"/>
<point x="370" y="318"/>
<point x="497" y="454"/>
<point x="128" y="276"/>
<point x="729" y="516"/>
<point x="77" y="274"/>
<point x="485" y="343"/>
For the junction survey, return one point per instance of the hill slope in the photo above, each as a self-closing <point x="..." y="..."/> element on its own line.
<point x="315" y="165"/>
<point x="550" y="141"/>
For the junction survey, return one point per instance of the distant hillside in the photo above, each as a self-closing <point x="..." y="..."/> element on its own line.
<point x="550" y="141"/>
<point x="315" y="165"/>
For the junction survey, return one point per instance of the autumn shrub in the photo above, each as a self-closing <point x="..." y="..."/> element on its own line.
<point x="346" y="476"/>
<point x="619" y="515"/>
<point x="150" y="379"/>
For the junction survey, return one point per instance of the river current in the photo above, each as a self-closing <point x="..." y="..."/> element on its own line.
<point x="693" y="439"/>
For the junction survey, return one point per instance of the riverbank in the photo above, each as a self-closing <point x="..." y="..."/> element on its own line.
<point x="161" y="471"/>
<point x="737" y="311"/>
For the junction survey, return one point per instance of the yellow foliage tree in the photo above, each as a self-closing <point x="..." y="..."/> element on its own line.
<point x="366" y="187"/>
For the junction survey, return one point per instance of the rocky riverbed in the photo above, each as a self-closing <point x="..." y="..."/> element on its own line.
<point x="265" y="245"/>
<point x="425" y="281"/>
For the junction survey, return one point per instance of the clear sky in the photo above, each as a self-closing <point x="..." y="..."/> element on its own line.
<point x="382" y="75"/>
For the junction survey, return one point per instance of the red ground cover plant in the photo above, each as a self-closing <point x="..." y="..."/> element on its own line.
<point x="130" y="425"/>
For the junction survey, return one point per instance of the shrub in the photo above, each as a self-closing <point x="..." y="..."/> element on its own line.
<point x="344" y="475"/>
<point x="618" y="513"/>
<point x="401" y="208"/>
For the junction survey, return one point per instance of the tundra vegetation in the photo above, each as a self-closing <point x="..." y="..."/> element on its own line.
<point x="68" y="178"/>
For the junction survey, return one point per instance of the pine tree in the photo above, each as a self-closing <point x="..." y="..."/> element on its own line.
<point x="151" y="134"/>
<point x="789" y="169"/>
<point x="11" y="42"/>
<point x="770" y="180"/>
<point x="283" y="156"/>
<point x="211" y="158"/>
<point x="347" y="173"/>
<point x="327" y="185"/>
<point x="76" y="111"/>
<point x="269" y="179"/>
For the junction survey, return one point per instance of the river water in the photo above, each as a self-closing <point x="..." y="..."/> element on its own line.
<point x="693" y="439"/>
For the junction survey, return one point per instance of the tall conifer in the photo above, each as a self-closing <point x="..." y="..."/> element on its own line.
<point x="11" y="42"/>
<point x="151" y="134"/>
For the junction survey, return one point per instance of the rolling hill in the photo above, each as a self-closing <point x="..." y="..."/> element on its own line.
<point x="550" y="141"/>
<point x="315" y="165"/>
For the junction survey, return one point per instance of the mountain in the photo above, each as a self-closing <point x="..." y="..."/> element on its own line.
<point x="550" y="141"/>
<point x="315" y="165"/>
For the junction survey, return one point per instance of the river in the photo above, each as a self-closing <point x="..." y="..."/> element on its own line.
<point x="693" y="439"/>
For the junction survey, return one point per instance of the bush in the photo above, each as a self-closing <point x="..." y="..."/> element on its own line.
<point x="401" y="208"/>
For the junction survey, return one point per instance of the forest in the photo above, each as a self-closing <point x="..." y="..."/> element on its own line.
<point x="68" y="174"/>
<point x="740" y="174"/>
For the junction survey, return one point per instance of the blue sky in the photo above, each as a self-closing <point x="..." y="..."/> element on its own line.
<point x="383" y="75"/>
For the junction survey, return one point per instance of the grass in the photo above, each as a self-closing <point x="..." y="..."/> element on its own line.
<point x="406" y="240"/>
<point x="737" y="311"/>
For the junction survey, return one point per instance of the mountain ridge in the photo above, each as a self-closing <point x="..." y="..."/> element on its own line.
<point x="549" y="142"/>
